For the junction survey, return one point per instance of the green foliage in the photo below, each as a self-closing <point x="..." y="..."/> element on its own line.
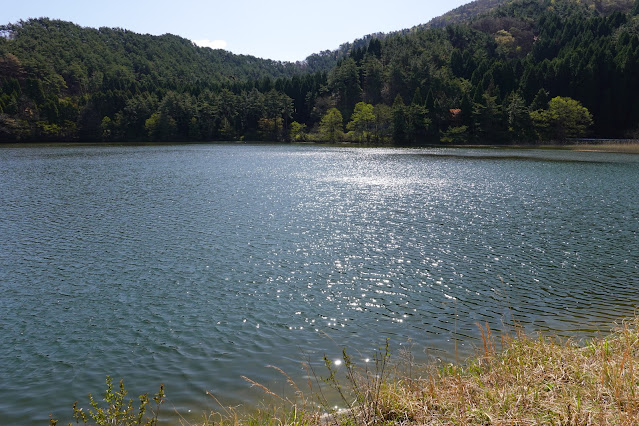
<point x="565" y="118"/>
<point x="399" y="120"/>
<point x="118" y="411"/>
<point x="344" y="81"/>
<point x="161" y="127"/>
<point x="383" y="123"/>
<point x="518" y="118"/>
<point x="488" y="120"/>
<point x="418" y="123"/>
<point x="298" y="132"/>
<point x="455" y="135"/>
<point x="331" y="127"/>
<point x="362" y="122"/>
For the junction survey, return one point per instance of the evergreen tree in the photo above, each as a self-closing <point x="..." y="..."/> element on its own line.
<point x="520" y="127"/>
<point x="400" y="135"/>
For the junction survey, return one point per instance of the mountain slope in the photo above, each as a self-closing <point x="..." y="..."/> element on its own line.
<point x="487" y="79"/>
<point x="516" y="56"/>
<point x="64" y="48"/>
<point x="464" y="13"/>
<point x="59" y="80"/>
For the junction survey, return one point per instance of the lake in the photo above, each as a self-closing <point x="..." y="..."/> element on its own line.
<point x="193" y="265"/>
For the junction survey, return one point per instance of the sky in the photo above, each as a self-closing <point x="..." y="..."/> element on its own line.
<point x="286" y="30"/>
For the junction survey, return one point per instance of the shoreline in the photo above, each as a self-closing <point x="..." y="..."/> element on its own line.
<point x="512" y="379"/>
<point x="620" y="147"/>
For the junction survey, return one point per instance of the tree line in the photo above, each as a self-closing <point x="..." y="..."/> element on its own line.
<point x="525" y="71"/>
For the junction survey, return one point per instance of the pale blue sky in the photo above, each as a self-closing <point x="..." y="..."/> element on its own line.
<point x="279" y="29"/>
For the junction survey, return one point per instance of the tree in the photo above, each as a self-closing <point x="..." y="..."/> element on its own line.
<point x="518" y="118"/>
<point x="373" y="79"/>
<point x="362" y="122"/>
<point x="418" y="122"/>
<point x="331" y="127"/>
<point x="226" y="105"/>
<point x="297" y="132"/>
<point x="251" y="108"/>
<point x="455" y="135"/>
<point x="457" y="63"/>
<point x="107" y="128"/>
<point x="488" y="120"/>
<point x="383" y="122"/>
<point x="161" y="127"/>
<point x="541" y="100"/>
<point x="277" y="112"/>
<point x="506" y="43"/>
<point x="399" y="120"/>
<point x="578" y="49"/>
<point x="564" y="118"/>
<point x="344" y="81"/>
<point x="271" y="129"/>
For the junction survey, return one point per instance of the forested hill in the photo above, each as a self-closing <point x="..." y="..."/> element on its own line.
<point x="79" y="53"/>
<point x="57" y="78"/>
<point x="524" y="70"/>
<point x="464" y="13"/>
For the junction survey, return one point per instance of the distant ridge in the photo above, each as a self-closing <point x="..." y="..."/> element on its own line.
<point x="464" y="13"/>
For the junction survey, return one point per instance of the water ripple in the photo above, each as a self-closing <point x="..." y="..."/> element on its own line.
<point x="194" y="265"/>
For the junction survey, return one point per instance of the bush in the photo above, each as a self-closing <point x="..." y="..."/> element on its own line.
<point x="118" y="412"/>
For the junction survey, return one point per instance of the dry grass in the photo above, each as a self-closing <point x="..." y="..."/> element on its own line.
<point x="621" y="147"/>
<point x="298" y="411"/>
<point x="530" y="381"/>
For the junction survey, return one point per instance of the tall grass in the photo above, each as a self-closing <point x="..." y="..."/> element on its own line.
<point x="516" y="380"/>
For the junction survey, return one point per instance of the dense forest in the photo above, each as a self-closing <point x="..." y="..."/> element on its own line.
<point x="489" y="72"/>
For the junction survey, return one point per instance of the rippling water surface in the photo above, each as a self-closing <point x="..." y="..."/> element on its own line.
<point x="195" y="265"/>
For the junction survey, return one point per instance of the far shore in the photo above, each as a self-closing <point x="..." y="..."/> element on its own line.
<point x="630" y="147"/>
<point x="612" y="146"/>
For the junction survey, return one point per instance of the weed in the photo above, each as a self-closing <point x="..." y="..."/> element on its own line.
<point x="119" y="412"/>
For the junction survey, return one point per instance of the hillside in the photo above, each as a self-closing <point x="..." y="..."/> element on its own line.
<point x="479" y="8"/>
<point x="490" y="78"/>
<point x="520" y="71"/>
<point x="59" y="80"/>
<point x="77" y="53"/>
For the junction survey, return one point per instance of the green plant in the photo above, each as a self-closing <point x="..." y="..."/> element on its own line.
<point x="119" y="412"/>
<point x="368" y="406"/>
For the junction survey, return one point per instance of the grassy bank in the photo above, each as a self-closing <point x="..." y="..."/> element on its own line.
<point x="513" y="379"/>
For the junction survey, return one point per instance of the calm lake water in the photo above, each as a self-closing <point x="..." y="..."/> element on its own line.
<point x="193" y="265"/>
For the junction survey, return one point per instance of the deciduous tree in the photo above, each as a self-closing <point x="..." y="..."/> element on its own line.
<point x="565" y="118"/>
<point x="331" y="127"/>
<point x="362" y="122"/>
